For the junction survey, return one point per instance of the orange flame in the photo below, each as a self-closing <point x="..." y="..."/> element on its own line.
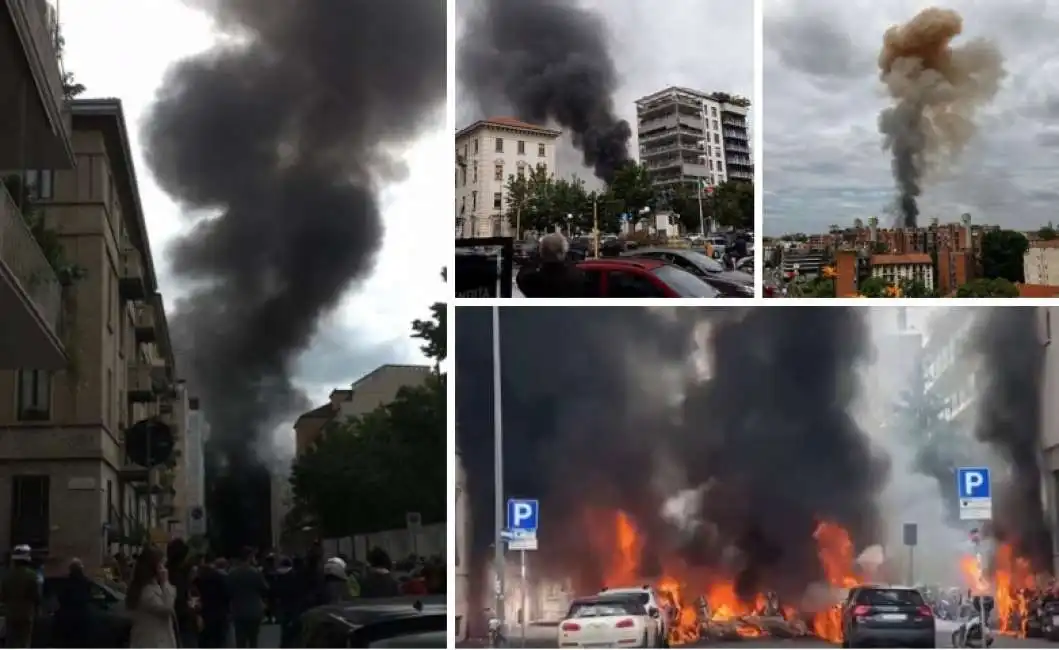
<point x="836" y="553"/>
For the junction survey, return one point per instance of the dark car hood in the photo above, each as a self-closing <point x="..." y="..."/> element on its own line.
<point x="365" y="611"/>
<point x="735" y="277"/>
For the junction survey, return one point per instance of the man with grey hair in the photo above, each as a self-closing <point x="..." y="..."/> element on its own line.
<point x="554" y="277"/>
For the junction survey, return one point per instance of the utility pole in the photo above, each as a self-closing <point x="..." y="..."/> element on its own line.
<point x="595" y="222"/>
<point x="518" y="221"/>
<point x="498" y="472"/>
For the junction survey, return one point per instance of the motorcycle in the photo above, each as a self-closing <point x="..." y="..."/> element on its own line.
<point x="969" y="634"/>
<point x="496" y="633"/>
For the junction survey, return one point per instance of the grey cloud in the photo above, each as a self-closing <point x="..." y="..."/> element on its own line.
<point x="340" y="355"/>
<point x="823" y="161"/>
<point x="703" y="44"/>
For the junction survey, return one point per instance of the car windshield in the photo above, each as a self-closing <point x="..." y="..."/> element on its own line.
<point x="884" y="597"/>
<point x="707" y="263"/>
<point x="639" y="595"/>
<point x="604" y="608"/>
<point x="684" y="283"/>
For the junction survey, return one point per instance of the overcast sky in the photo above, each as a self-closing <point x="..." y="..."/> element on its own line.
<point x="823" y="162"/>
<point x="701" y="44"/>
<point x="122" y="48"/>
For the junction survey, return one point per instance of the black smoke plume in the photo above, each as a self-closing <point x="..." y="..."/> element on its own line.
<point x="286" y="134"/>
<point x="936" y="90"/>
<point x="1009" y="420"/>
<point x="769" y="432"/>
<point x="547" y="60"/>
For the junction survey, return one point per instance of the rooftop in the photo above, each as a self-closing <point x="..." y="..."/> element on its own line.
<point x="901" y="260"/>
<point x="1037" y="291"/>
<point x="508" y="123"/>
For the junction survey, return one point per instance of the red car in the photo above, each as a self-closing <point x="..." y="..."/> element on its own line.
<point x="632" y="277"/>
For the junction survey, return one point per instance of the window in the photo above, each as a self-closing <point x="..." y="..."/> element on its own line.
<point x="474" y="174"/>
<point x="540" y="150"/>
<point x="475" y="144"/>
<point x="498" y="200"/>
<point x="40" y="183"/>
<point x="108" y="396"/>
<point x="713" y="111"/>
<point x="522" y="147"/>
<point x="465" y="152"/>
<point x="500" y="145"/>
<point x="463" y="176"/>
<point x="498" y="172"/>
<point x="720" y="166"/>
<point x="543" y="168"/>
<point x="31" y="510"/>
<point x="715" y="127"/>
<point x="463" y="204"/>
<point x="107" y="281"/>
<point x="34" y="395"/>
<point x="622" y="284"/>
<point x="717" y="138"/>
<point x="474" y="201"/>
<point x="521" y="171"/>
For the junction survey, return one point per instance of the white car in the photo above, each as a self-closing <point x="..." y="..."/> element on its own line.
<point x="610" y="621"/>
<point x="653" y="602"/>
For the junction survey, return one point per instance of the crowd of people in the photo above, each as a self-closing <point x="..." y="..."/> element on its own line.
<point x="177" y="599"/>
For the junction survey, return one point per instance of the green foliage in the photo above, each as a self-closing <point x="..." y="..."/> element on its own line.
<point x="873" y="288"/>
<point x="1048" y="233"/>
<point x="913" y="289"/>
<point x="540" y="202"/>
<point x="1002" y="252"/>
<point x="988" y="288"/>
<point x="46" y="238"/>
<point x="364" y="474"/>
<point x="732" y="204"/>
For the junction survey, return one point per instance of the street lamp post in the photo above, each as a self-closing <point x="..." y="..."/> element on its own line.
<point x="498" y="472"/>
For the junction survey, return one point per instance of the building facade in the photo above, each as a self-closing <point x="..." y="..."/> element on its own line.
<point x="912" y="267"/>
<point x="1040" y="263"/>
<point x="35" y="134"/>
<point x="71" y="490"/>
<point x="487" y="153"/>
<point x="693" y="138"/>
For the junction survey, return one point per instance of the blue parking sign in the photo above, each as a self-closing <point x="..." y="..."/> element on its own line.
<point x="522" y="515"/>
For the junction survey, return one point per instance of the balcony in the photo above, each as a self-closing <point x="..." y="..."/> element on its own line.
<point x="143" y="385"/>
<point x="144" y="323"/>
<point x="30" y="297"/>
<point x="131" y="284"/>
<point x="34" y="111"/>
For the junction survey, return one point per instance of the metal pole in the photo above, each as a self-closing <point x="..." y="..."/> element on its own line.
<point x="518" y="221"/>
<point x="705" y="162"/>
<point x="524" y="616"/>
<point x="498" y="470"/>
<point x="150" y="482"/>
<point x="595" y="223"/>
<point x="911" y="565"/>
<point x="702" y="223"/>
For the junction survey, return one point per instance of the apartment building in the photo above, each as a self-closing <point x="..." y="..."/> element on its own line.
<point x="34" y="134"/>
<point x="487" y="153"/>
<point x="71" y="491"/>
<point x="911" y="267"/>
<point x="1040" y="263"/>
<point x="692" y="137"/>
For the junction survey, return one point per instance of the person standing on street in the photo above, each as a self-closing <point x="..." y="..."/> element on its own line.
<point x="21" y="597"/>
<point x="378" y="581"/>
<point x="73" y="619"/>
<point x="286" y="594"/>
<point x="180" y="577"/>
<point x="150" y="601"/>
<point x="249" y="590"/>
<point x="215" y="601"/>
<point x="555" y="276"/>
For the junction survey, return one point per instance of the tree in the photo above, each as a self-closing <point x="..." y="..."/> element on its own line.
<point x="1048" y="233"/>
<point x="988" y="288"/>
<point x="1002" y="252"/>
<point x="683" y="200"/>
<point x="913" y="289"/>
<point x="873" y="288"/>
<point x="364" y="474"/>
<point x="732" y="204"/>
<point x="540" y="202"/>
<point x="631" y="189"/>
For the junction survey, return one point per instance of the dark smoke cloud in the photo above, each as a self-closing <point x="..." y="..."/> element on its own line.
<point x="936" y="90"/>
<point x="547" y="60"/>
<point x="1009" y="420"/>
<point x="770" y="432"/>
<point x="283" y="135"/>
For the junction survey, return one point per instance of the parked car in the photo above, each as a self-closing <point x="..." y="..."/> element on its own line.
<point x="111" y="622"/>
<point x="730" y="284"/>
<point x="403" y="622"/>
<point x="634" y="277"/>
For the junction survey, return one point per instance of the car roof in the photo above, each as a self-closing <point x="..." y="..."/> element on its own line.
<point x="627" y="590"/>
<point x="606" y="597"/>
<point x="619" y="262"/>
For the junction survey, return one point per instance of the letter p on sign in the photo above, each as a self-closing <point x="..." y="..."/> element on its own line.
<point x="523" y="513"/>
<point x="972" y="481"/>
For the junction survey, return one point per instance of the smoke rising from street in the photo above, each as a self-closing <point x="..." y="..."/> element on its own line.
<point x="1009" y="421"/>
<point x="286" y="136"/>
<point x="936" y="90"/>
<point x="725" y="434"/>
<point x="549" y="62"/>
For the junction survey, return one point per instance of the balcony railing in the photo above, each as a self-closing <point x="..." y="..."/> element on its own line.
<point x="21" y="253"/>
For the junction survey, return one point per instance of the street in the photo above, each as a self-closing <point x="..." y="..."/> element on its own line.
<point x="544" y="636"/>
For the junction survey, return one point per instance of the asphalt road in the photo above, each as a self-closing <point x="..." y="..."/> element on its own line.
<point x="546" y="637"/>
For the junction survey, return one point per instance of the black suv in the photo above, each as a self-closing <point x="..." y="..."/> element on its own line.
<point x="887" y="617"/>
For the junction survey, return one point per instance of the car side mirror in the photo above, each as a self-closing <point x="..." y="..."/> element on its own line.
<point x="654" y="613"/>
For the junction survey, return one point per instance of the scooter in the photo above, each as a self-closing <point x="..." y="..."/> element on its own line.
<point x="969" y="634"/>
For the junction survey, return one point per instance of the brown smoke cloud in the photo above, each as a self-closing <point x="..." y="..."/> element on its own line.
<point x="937" y="90"/>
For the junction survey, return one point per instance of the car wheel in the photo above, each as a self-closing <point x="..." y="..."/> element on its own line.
<point x="956" y="639"/>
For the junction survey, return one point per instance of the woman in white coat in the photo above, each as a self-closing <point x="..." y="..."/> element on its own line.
<point x="150" y="603"/>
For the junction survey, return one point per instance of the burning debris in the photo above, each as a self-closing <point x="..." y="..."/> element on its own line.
<point x="936" y="90"/>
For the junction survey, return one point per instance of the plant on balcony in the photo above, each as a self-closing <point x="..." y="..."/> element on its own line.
<point x="47" y="238"/>
<point x="71" y="88"/>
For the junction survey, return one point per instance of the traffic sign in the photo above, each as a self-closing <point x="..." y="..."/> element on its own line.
<point x="975" y="492"/>
<point x="522" y="515"/>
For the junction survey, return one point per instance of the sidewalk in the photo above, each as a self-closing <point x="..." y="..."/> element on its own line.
<point x="537" y="634"/>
